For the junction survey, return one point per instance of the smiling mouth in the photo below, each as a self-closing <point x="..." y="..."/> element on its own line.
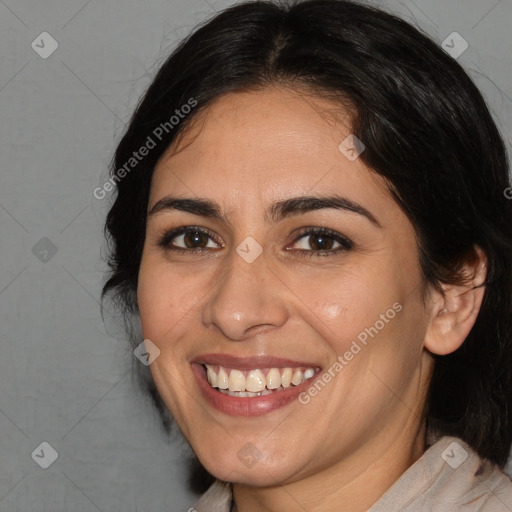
<point x="257" y="382"/>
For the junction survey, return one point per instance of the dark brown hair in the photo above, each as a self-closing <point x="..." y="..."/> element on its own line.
<point x="426" y="129"/>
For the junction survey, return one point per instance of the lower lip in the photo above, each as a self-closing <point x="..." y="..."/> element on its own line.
<point x="246" y="406"/>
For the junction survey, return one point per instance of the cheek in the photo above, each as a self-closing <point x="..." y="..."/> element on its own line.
<point x="369" y="322"/>
<point x="342" y="304"/>
<point x="164" y="298"/>
<point x="162" y="308"/>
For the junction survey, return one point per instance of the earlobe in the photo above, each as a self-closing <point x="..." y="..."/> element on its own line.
<point x="454" y="310"/>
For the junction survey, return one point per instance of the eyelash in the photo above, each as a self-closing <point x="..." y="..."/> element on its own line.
<point x="345" y="243"/>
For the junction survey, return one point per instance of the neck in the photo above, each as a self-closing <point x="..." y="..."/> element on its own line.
<point x="347" y="486"/>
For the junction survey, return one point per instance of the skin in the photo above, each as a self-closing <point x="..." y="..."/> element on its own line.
<point x="353" y="440"/>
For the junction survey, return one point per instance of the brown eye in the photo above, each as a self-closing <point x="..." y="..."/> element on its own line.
<point x="189" y="239"/>
<point x="195" y="239"/>
<point x="321" y="242"/>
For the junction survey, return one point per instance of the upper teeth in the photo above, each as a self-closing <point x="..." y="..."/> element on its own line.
<point x="256" y="380"/>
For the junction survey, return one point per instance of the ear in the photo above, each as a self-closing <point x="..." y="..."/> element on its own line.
<point x="455" y="309"/>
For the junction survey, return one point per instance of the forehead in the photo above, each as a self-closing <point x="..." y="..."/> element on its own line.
<point x="265" y="145"/>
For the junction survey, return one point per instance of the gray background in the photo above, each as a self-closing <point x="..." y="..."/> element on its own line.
<point x="64" y="379"/>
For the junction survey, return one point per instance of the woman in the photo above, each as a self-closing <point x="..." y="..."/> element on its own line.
<point x="310" y="222"/>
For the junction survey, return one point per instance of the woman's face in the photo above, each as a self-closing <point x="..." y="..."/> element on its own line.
<point x="262" y="296"/>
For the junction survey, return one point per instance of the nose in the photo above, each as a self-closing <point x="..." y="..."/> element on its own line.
<point x="248" y="299"/>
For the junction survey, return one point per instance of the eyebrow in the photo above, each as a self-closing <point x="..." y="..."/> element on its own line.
<point x="276" y="212"/>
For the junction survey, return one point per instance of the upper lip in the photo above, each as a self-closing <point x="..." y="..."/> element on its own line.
<point x="250" y="362"/>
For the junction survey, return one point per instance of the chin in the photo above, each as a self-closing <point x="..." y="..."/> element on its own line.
<point x="245" y="467"/>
